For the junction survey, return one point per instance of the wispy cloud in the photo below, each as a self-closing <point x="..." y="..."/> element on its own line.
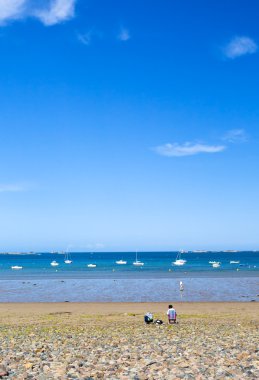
<point x="85" y="38"/>
<point x="235" y="136"/>
<point x="124" y="34"/>
<point x="12" y="188"/>
<point x="239" y="46"/>
<point x="49" y="12"/>
<point x="187" y="149"/>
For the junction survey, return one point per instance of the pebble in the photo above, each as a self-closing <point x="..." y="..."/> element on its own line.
<point x="122" y="348"/>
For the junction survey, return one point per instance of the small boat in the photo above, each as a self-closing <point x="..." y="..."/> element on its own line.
<point x="121" y="262"/>
<point x="234" y="262"/>
<point x="67" y="258"/>
<point x="138" y="263"/>
<point x="54" y="263"/>
<point x="179" y="261"/>
<point x="91" y="265"/>
<point x="216" y="264"/>
<point x="16" y="267"/>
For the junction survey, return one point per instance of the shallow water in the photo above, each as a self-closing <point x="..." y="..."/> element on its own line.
<point x="130" y="290"/>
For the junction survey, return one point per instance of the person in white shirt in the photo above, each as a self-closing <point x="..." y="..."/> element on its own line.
<point x="171" y="313"/>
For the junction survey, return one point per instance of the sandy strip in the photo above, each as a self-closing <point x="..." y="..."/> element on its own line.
<point x="209" y="308"/>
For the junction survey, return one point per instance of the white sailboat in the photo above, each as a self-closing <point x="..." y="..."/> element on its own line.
<point x="138" y="263"/>
<point x="179" y="261"/>
<point x="68" y="258"/>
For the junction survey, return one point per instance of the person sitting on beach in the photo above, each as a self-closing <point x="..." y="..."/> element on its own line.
<point x="148" y="318"/>
<point x="171" y="313"/>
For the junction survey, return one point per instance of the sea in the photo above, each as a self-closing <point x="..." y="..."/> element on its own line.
<point x="158" y="280"/>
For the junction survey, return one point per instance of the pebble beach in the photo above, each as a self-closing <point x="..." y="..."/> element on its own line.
<point x="111" y="341"/>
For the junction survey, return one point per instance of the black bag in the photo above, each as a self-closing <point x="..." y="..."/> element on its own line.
<point x="158" y="322"/>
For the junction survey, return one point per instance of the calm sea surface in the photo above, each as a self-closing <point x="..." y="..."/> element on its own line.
<point x="157" y="280"/>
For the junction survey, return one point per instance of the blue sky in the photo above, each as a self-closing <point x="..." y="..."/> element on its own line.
<point x="129" y="125"/>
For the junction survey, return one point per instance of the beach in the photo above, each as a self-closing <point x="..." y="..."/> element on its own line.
<point x="41" y="341"/>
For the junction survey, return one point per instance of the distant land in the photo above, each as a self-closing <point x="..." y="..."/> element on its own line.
<point x="182" y="251"/>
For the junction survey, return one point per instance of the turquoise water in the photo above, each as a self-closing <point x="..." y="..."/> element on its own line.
<point x="156" y="264"/>
<point x="157" y="280"/>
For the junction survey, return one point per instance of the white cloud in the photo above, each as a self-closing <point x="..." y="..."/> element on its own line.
<point x="124" y="34"/>
<point x="57" y="11"/>
<point x="236" y="136"/>
<point x="187" y="149"/>
<point x="49" y="12"/>
<point x="11" y="10"/>
<point x="12" y="188"/>
<point x="239" y="46"/>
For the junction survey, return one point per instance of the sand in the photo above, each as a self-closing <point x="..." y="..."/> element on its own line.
<point x="110" y="341"/>
<point x="210" y="308"/>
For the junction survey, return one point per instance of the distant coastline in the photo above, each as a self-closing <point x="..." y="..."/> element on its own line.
<point x="144" y="251"/>
<point x="19" y="253"/>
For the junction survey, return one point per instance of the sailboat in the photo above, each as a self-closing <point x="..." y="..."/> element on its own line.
<point x="138" y="263"/>
<point x="178" y="261"/>
<point x="68" y="258"/>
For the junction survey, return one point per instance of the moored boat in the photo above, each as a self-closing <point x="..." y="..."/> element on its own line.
<point x="121" y="262"/>
<point x="54" y="263"/>
<point x="68" y="258"/>
<point x="179" y="261"/>
<point x="138" y="263"/>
